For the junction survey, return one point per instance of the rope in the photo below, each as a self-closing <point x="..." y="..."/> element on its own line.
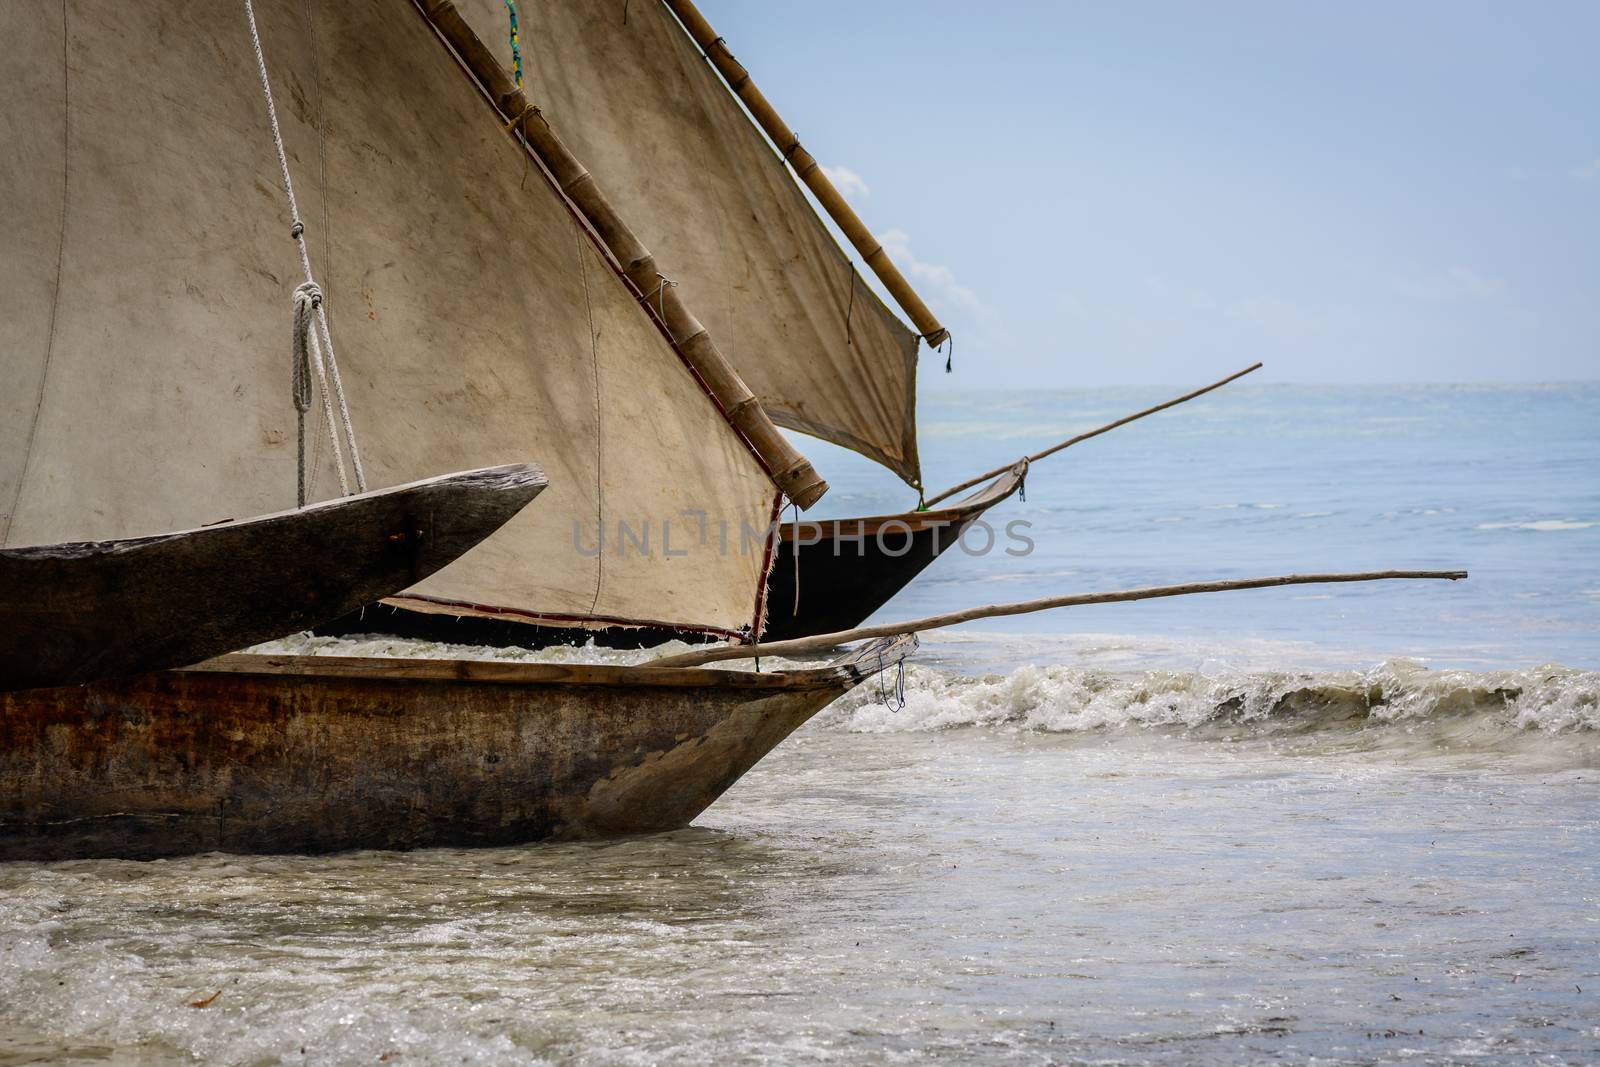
<point x="516" y="45"/>
<point x="899" y="702"/>
<point x="795" y="552"/>
<point x="516" y="123"/>
<point x="300" y="380"/>
<point x="660" y="290"/>
<point x="319" y="342"/>
<point x="851" y="306"/>
<point x="515" y="127"/>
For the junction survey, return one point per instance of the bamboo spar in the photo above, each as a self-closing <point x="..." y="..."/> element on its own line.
<point x="1096" y="432"/>
<point x="807" y="169"/>
<point x="1024" y="607"/>
<point x="791" y="471"/>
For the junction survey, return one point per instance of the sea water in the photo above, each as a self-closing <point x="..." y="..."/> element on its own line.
<point x="1348" y="824"/>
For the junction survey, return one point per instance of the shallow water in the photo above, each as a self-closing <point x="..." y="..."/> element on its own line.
<point x="1354" y="829"/>
<point x="1046" y="865"/>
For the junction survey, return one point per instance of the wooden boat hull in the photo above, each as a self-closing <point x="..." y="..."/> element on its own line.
<point x="849" y="568"/>
<point x="98" y="609"/>
<point x="263" y="754"/>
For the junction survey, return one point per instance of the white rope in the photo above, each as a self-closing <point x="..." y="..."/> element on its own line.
<point x="308" y="354"/>
<point x="308" y="296"/>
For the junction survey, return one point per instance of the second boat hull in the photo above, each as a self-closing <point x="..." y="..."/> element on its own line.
<point x="260" y="754"/>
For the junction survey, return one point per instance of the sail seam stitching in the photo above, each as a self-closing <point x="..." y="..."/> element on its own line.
<point x="55" y="298"/>
<point x="594" y="361"/>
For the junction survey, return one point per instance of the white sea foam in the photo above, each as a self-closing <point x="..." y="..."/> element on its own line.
<point x="1548" y="699"/>
<point x="1101" y="689"/>
<point x="1543" y="525"/>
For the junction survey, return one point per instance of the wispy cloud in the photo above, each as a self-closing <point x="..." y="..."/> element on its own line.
<point x="1584" y="172"/>
<point x="1281" y="320"/>
<point x="1455" y="283"/>
<point x="852" y="186"/>
<point x="935" y="277"/>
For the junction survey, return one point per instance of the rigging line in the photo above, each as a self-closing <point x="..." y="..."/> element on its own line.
<point x="794" y="552"/>
<point x="55" y="296"/>
<point x="300" y="380"/>
<point x="297" y="231"/>
<point x="315" y="465"/>
<point x="851" y="307"/>
<point x="516" y="43"/>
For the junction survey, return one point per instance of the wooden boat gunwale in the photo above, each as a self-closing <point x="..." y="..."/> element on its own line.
<point x="513" y="473"/>
<point x="847" y="670"/>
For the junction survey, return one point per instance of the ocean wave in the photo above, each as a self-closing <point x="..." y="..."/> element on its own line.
<point x="1542" y="525"/>
<point x="1222" y="702"/>
<point x="1549" y="700"/>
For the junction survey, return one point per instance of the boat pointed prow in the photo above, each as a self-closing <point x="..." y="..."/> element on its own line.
<point x="85" y="610"/>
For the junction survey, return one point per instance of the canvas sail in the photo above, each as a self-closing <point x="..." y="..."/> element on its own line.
<point x="145" y="309"/>
<point x="707" y="193"/>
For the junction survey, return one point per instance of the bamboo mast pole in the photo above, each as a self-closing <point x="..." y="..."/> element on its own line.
<point x="1053" y="449"/>
<point x="807" y="169"/>
<point x="791" y="471"/>
<point x="893" y="629"/>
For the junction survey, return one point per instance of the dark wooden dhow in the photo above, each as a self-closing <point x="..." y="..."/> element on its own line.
<point x="86" y="610"/>
<point x="849" y="568"/>
<point x="267" y="754"/>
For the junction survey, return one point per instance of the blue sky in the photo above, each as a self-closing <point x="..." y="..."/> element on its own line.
<point x="1130" y="193"/>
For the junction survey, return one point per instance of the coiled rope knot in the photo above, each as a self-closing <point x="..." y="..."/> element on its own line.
<point x="296" y="230"/>
<point x="307" y="298"/>
<point x="527" y="111"/>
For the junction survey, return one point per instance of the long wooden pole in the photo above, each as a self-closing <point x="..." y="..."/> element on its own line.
<point x="1023" y="607"/>
<point x="1053" y="449"/>
<point x="807" y="170"/>
<point x="791" y="471"/>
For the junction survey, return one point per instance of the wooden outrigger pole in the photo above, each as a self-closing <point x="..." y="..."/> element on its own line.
<point x="807" y="169"/>
<point x="801" y="645"/>
<point x="792" y="472"/>
<point x="1096" y="432"/>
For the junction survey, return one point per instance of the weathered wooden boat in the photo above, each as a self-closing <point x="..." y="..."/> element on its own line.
<point x="480" y="318"/>
<point x="262" y="754"/>
<point x="84" y="610"/>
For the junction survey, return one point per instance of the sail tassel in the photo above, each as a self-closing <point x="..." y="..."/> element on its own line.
<point x="1096" y="432"/>
<point x="932" y="622"/>
<point x="319" y="352"/>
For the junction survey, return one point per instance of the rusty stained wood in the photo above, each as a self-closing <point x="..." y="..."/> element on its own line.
<point x="282" y="760"/>
<point x="98" y="609"/>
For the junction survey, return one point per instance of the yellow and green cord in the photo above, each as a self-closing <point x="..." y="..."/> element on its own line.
<point x="516" y="45"/>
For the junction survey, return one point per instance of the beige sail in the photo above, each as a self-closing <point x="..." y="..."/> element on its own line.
<point x="145" y="309"/>
<point x="707" y="193"/>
